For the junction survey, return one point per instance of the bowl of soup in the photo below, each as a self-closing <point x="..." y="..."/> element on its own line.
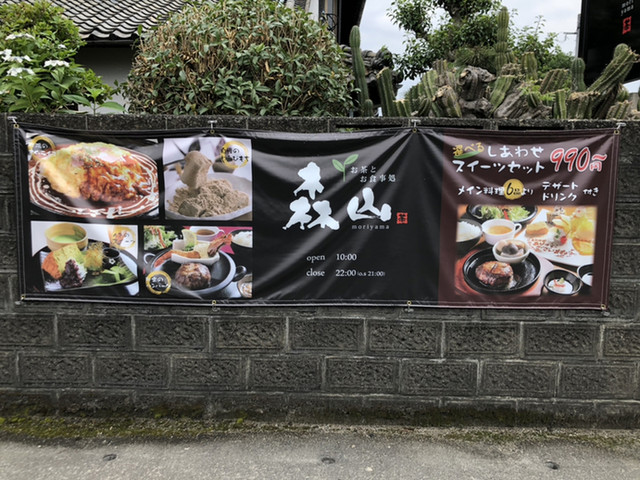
<point x="499" y="229"/>
<point x="206" y="234"/>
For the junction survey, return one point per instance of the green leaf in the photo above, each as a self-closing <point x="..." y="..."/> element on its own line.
<point x="351" y="159"/>
<point x="77" y="99"/>
<point x="21" y="104"/>
<point x="113" y="106"/>
<point x="338" y="166"/>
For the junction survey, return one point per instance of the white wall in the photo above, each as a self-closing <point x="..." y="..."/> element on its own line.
<point x="110" y="63"/>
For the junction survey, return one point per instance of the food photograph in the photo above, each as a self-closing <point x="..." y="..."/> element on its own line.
<point x="528" y="251"/>
<point x="92" y="180"/>
<point x="83" y="259"/>
<point x="207" y="178"/>
<point x="200" y="262"/>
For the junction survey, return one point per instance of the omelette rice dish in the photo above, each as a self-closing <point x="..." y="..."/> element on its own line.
<point x="98" y="172"/>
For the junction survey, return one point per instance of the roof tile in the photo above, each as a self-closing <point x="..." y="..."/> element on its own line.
<point x="119" y="19"/>
<point x="100" y="20"/>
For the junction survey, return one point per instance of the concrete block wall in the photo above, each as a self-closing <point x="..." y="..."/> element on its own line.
<point x="408" y="364"/>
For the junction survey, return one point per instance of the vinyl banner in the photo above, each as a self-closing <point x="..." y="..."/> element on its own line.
<point x="425" y="217"/>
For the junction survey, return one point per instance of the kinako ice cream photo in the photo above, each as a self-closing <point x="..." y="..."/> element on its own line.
<point x="204" y="196"/>
<point x="194" y="174"/>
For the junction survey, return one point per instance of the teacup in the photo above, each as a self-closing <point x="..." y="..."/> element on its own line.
<point x="110" y="257"/>
<point x="499" y="229"/>
<point x="62" y="234"/>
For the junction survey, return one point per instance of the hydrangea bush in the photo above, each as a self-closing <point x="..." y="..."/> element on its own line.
<point x="37" y="70"/>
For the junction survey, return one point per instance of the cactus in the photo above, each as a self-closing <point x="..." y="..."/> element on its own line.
<point x="604" y="101"/>
<point x="577" y="75"/>
<point x="553" y="80"/>
<point x="511" y="69"/>
<point x="421" y="101"/>
<point x="579" y="105"/>
<point x="518" y="91"/>
<point x="413" y="97"/>
<point x="387" y="95"/>
<point x="503" y="25"/>
<point x="402" y="108"/>
<point x="367" y="108"/>
<point x="623" y="95"/>
<point x="501" y="87"/>
<point x="617" y="70"/>
<point x="560" y="104"/>
<point x="430" y="84"/>
<point x="619" y="110"/>
<point x="534" y="99"/>
<point x="530" y="66"/>
<point x="503" y="54"/>
<point x="445" y="75"/>
<point x="514" y="105"/>
<point x="500" y="61"/>
<point x="359" y="70"/>
<point x="441" y="67"/>
<point x="447" y="99"/>
<point x="609" y="83"/>
<point x="424" y="107"/>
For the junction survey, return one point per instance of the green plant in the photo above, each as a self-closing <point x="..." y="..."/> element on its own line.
<point x="518" y="92"/>
<point x="447" y="98"/>
<point x="464" y="31"/>
<point x="342" y="166"/>
<point x="247" y="57"/>
<point x="503" y="53"/>
<point x="529" y="66"/>
<point x="501" y="87"/>
<point x="387" y="94"/>
<point x="37" y="70"/>
<point x="470" y="34"/>
<point x="547" y="53"/>
<point x="365" y="104"/>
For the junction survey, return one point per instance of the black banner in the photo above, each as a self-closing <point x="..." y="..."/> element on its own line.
<point x="430" y="217"/>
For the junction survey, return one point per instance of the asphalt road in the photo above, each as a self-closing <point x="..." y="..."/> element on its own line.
<point x="334" y="452"/>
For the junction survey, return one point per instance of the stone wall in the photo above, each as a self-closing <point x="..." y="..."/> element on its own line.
<point x="412" y="365"/>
